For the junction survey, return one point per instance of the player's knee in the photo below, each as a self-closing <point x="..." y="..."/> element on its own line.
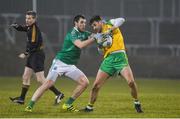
<point x="85" y="82"/>
<point x="48" y="83"/>
<point x="131" y="83"/>
<point x="96" y="87"/>
<point x="26" y="79"/>
<point x="40" y="81"/>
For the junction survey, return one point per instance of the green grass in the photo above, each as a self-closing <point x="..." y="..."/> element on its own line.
<point x="160" y="99"/>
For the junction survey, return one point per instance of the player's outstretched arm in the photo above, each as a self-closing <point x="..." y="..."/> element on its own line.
<point x="19" y="27"/>
<point x="117" y="22"/>
<point x="81" y="44"/>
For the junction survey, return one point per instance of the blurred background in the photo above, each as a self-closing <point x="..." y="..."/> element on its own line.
<point x="151" y="33"/>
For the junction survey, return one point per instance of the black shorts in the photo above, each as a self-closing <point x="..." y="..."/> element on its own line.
<point x="36" y="61"/>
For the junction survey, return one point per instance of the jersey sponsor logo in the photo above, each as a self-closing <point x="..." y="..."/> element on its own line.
<point x="81" y="36"/>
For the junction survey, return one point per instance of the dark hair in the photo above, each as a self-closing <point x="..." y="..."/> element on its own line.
<point x="77" y="17"/>
<point x="33" y="13"/>
<point x="95" y="18"/>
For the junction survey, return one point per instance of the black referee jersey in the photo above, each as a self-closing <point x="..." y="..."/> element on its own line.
<point x="34" y="37"/>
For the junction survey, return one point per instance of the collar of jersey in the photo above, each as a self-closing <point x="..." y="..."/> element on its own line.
<point x="76" y="29"/>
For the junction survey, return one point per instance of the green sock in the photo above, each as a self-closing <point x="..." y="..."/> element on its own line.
<point x="70" y="101"/>
<point x="31" y="104"/>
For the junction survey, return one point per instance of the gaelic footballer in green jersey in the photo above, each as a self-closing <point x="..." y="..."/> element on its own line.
<point x="64" y="64"/>
<point x="70" y="53"/>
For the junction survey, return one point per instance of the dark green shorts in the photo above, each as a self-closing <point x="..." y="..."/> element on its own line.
<point x="114" y="63"/>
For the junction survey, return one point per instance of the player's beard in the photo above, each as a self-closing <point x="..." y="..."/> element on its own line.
<point x="81" y="30"/>
<point x="30" y="23"/>
<point x="99" y="30"/>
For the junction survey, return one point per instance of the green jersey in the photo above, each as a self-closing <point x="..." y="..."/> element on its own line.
<point x="70" y="53"/>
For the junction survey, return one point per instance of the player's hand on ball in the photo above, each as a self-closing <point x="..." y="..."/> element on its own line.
<point x="97" y="36"/>
<point x="22" y="56"/>
<point x="92" y="36"/>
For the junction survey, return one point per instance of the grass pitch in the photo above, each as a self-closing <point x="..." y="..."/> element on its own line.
<point x="160" y="99"/>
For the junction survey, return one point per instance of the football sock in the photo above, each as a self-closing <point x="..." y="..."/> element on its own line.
<point x="70" y="101"/>
<point x="31" y="104"/>
<point x="54" y="90"/>
<point x="24" y="91"/>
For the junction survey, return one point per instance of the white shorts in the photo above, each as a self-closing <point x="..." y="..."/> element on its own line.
<point x="60" y="68"/>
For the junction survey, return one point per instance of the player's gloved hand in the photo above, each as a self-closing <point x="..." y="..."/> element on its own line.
<point x="91" y="36"/>
<point x="99" y="39"/>
<point x="97" y="36"/>
<point x="15" y="25"/>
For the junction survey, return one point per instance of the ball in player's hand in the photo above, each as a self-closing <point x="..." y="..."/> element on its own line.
<point x="104" y="41"/>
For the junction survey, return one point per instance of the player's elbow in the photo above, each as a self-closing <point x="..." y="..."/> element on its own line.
<point x="119" y="22"/>
<point x="122" y="20"/>
<point x="80" y="46"/>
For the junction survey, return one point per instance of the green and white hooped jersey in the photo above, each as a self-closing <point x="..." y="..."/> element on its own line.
<point x="70" y="53"/>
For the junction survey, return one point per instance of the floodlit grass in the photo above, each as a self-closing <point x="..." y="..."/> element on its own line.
<point x="160" y="99"/>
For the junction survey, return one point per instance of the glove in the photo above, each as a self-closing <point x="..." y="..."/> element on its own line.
<point x="95" y="36"/>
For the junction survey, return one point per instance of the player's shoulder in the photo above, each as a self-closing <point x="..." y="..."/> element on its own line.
<point x="87" y="33"/>
<point x="73" y="31"/>
<point x="108" y="22"/>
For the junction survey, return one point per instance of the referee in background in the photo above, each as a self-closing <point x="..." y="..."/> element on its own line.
<point x="35" y="57"/>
